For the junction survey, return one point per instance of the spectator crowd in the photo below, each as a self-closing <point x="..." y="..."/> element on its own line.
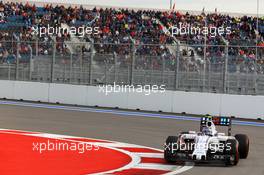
<point x="125" y="33"/>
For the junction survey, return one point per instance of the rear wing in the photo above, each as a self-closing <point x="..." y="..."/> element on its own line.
<point x="218" y="121"/>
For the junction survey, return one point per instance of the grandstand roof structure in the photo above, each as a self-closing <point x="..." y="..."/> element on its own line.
<point x="223" y="6"/>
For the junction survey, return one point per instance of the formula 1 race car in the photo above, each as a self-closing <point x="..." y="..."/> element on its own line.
<point x="208" y="145"/>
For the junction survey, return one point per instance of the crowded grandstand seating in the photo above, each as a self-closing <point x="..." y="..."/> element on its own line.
<point x="135" y="31"/>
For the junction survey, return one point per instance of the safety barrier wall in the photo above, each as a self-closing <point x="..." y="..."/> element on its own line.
<point x="169" y="101"/>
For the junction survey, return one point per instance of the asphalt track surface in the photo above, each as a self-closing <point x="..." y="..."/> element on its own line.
<point x="128" y="128"/>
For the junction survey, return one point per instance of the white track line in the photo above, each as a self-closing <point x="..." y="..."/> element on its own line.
<point x="187" y="166"/>
<point x="150" y="155"/>
<point x="116" y="145"/>
<point x="54" y="136"/>
<point x="156" y="166"/>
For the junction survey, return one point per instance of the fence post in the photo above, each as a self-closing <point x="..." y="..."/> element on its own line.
<point x="71" y="67"/>
<point x="30" y="63"/>
<point x="81" y="67"/>
<point x="204" y="67"/>
<point x="256" y="72"/>
<point x="132" y="64"/>
<point x="105" y="73"/>
<point x="91" y="64"/>
<point x="17" y="61"/>
<point x="209" y="75"/>
<point x="37" y="47"/>
<point x="53" y="62"/>
<point x="225" y="72"/>
<point x="17" y="55"/>
<point x="115" y="67"/>
<point x="163" y="69"/>
<point x="177" y="64"/>
<point x="9" y="72"/>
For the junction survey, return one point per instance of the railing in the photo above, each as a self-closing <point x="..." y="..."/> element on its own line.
<point x="222" y="69"/>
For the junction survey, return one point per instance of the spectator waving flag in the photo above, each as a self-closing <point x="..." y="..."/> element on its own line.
<point x="173" y="7"/>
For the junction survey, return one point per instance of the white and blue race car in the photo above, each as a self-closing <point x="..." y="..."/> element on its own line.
<point x="208" y="145"/>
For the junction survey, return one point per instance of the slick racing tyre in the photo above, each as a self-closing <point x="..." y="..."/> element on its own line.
<point x="243" y="147"/>
<point x="231" y="151"/>
<point x="169" y="149"/>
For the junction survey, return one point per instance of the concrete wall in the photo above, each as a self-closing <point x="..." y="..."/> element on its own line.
<point x="168" y="101"/>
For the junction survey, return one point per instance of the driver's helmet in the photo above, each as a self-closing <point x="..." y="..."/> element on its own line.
<point x="207" y="130"/>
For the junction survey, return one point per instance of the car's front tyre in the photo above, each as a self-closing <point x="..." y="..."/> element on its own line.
<point x="232" y="153"/>
<point x="170" y="147"/>
<point x="243" y="147"/>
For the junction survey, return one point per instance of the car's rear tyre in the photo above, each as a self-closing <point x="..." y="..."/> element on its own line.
<point x="243" y="147"/>
<point x="232" y="153"/>
<point x="170" y="149"/>
<point x="185" y="132"/>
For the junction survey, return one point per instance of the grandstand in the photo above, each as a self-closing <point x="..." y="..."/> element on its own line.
<point x="132" y="47"/>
